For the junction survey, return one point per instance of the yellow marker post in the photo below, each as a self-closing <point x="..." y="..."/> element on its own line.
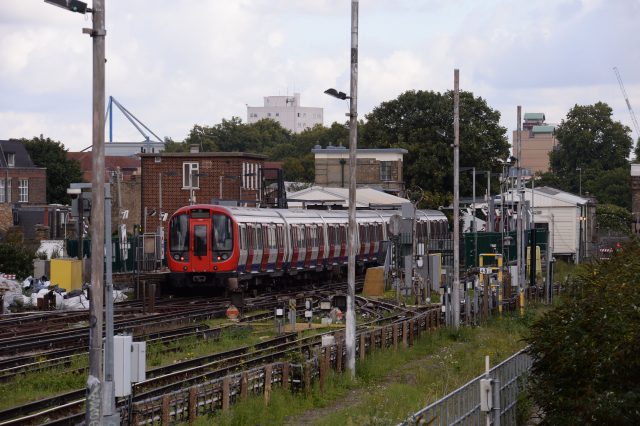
<point x="521" y="302"/>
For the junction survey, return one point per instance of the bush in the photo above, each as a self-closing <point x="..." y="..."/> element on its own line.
<point x="16" y="259"/>
<point x="586" y="368"/>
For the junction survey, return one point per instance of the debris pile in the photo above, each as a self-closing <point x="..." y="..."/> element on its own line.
<point x="40" y="293"/>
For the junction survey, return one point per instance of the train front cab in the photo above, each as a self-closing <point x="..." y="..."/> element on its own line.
<point x="201" y="249"/>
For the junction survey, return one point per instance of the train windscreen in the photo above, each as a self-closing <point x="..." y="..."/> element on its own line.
<point x="179" y="237"/>
<point x="222" y="237"/>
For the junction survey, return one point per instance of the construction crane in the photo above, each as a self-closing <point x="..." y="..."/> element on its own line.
<point x="626" y="98"/>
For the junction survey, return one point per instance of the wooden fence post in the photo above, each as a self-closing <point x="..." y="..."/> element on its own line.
<point x="395" y="335"/>
<point x="307" y="377"/>
<point x="411" y="334"/>
<point x="226" y="385"/>
<point x="373" y="341"/>
<point x="268" y="370"/>
<point x="405" y="333"/>
<point x="166" y="410"/>
<point x="363" y="348"/>
<point x="244" y="385"/>
<point x="339" y="358"/>
<point x="285" y="376"/>
<point x="193" y="404"/>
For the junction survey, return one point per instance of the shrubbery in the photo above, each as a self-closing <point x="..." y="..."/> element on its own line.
<point x="586" y="350"/>
<point x="16" y="259"/>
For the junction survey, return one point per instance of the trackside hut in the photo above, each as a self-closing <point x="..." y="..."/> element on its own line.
<point x="568" y="217"/>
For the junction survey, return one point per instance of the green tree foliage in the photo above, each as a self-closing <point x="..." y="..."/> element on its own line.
<point x="585" y="350"/>
<point x="589" y="139"/>
<point x="611" y="218"/>
<point x="61" y="171"/>
<point x="422" y="123"/>
<point x="16" y="259"/>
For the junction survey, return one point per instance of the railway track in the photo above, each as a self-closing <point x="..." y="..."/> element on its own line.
<point x="165" y="379"/>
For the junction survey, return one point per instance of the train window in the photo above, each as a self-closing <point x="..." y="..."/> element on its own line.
<point x="179" y="237"/>
<point x="279" y="237"/>
<point x="294" y="237"/>
<point x="200" y="240"/>
<point x="243" y="237"/>
<point x="302" y="237"/>
<point x="222" y="237"/>
<point x="320" y="236"/>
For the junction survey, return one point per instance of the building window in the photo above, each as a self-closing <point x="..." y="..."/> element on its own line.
<point x="277" y="114"/>
<point x="386" y="168"/>
<point x="23" y="186"/>
<point x="11" y="159"/>
<point x="8" y="190"/>
<point x="3" y="188"/>
<point x="268" y="114"/>
<point x="190" y="175"/>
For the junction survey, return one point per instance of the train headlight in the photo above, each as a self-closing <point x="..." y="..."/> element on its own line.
<point x="176" y="256"/>
<point x="225" y="256"/>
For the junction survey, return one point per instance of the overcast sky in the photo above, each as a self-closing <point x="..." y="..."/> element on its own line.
<point x="175" y="63"/>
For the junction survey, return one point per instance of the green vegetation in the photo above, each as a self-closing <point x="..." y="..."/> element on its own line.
<point x="390" y="384"/>
<point x="15" y="258"/>
<point x="61" y="171"/>
<point x="586" y="365"/>
<point x="43" y="384"/>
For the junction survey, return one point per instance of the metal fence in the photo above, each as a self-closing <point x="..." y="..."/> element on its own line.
<point x="462" y="406"/>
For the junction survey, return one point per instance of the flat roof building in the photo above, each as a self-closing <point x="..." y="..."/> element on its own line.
<point x="538" y="140"/>
<point x="287" y="111"/>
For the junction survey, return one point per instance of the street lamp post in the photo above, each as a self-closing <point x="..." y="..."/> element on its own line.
<point x="579" y="169"/>
<point x="456" y="200"/>
<point x="95" y="405"/>
<point x="350" y="332"/>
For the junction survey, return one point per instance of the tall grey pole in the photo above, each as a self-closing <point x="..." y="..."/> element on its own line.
<point x="95" y="379"/>
<point x="111" y="415"/>
<point x="519" y="237"/>
<point x="455" y="300"/>
<point x="350" y="334"/>
<point x="475" y="224"/>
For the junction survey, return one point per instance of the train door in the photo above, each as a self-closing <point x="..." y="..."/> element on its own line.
<point x="242" y="244"/>
<point x="294" y="246"/>
<point x="373" y="240"/>
<point x="250" y="247"/>
<point x="307" y="244"/>
<point x="258" y="247"/>
<point x="320" y="239"/>
<point x="342" y="234"/>
<point x="280" y="247"/>
<point x="200" y="262"/>
<point x="331" y="239"/>
<point x="266" y="248"/>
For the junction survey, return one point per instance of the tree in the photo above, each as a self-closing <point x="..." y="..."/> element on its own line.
<point x="61" y="171"/>
<point x="585" y="350"/>
<point x="422" y="123"/>
<point x="613" y="219"/>
<point x="589" y="139"/>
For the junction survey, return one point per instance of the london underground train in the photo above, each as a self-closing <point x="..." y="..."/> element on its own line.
<point x="239" y="247"/>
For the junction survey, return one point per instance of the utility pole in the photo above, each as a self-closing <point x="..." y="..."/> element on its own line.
<point x="95" y="380"/>
<point x="519" y="237"/>
<point x="350" y="335"/>
<point x="455" y="300"/>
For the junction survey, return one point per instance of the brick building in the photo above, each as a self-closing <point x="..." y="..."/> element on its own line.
<point x="538" y="140"/>
<point x="201" y="177"/>
<point x="376" y="168"/>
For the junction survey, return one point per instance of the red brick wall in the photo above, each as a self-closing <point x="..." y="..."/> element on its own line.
<point x="37" y="183"/>
<point x="173" y="194"/>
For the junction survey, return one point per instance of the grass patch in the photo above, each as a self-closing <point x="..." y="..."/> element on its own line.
<point x="42" y="384"/>
<point x="389" y="384"/>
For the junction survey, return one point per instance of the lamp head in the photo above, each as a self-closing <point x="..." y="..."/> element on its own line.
<point x="336" y="94"/>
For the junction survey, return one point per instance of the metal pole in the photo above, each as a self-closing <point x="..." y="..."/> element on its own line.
<point x="519" y="236"/>
<point x="475" y="225"/>
<point x="95" y="379"/>
<point x="456" y="200"/>
<point x="350" y="335"/>
<point x="112" y="416"/>
<point x="220" y="192"/>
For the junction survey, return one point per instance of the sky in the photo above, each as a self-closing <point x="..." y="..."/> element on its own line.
<point x="174" y="64"/>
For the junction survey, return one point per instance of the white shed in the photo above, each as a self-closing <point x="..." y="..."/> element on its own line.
<point x="565" y="215"/>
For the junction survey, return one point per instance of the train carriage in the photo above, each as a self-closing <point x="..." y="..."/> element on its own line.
<point x="233" y="247"/>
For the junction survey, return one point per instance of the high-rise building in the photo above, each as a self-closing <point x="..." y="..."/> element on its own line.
<point x="287" y="111"/>
<point x="538" y="140"/>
